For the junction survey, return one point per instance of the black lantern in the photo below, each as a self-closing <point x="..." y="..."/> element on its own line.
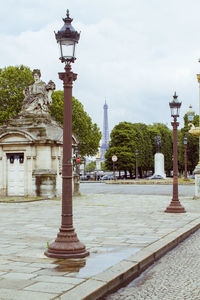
<point x="175" y="106"/>
<point x="190" y="114"/>
<point x="67" y="38"/>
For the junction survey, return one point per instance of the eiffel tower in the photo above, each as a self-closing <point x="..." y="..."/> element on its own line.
<point x="105" y="137"/>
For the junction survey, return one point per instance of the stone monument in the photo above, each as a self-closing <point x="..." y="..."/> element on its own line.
<point x="31" y="146"/>
<point x="38" y="95"/>
<point x="159" y="159"/>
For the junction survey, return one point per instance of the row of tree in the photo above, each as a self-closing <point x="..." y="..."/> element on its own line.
<point x="127" y="138"/>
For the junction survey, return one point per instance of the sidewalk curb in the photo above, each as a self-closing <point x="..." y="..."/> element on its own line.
<point x="100" y="285"/>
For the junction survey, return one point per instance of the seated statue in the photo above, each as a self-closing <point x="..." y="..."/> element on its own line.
<point x="38" y="95"/>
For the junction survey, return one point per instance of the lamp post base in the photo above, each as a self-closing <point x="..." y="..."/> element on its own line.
<point x="66" y="245"/>
<point x="175" y="207"/>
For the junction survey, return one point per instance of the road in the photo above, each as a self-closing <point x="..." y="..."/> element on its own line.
<point x="176" y="276"/>
<point x="153" y="189"/>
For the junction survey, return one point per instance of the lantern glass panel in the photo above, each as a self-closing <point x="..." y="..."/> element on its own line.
<point x="67" y="50"/>
<point x="175" y="111"/>
<point x="190" y="116"/>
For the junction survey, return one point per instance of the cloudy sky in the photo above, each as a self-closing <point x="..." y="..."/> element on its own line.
<point x="133" y="53"/>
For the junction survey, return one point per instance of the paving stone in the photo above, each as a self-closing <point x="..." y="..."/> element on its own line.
<point x="10" y="294"/>
<point x="14" y="283"/>
<point x="49" y="287"/>
<point x="15" y="275"/>
<point x="60" y="279"/>
<point x="84" y="289"/>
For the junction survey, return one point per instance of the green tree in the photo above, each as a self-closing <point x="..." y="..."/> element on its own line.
<point x="145" y="147"/>
<point x="122" y="144"/>
<point x="91" y="166"/>
<point x="87" y="133"/>
<point x="125" y="139"/>
<point x="13" y="80"/>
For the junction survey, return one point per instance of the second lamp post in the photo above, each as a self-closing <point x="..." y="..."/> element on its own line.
<point x="175" y="206"/>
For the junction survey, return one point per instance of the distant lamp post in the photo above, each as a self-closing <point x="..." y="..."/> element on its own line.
<point x="136" y="164"/>
<point x="114" y="159"/>
<point x="175" y="206"/>
<point x="77" y="172"/>
<point x="185" y="141"/>
<point x="67" y="244"/>
<point x="77" y="159"/>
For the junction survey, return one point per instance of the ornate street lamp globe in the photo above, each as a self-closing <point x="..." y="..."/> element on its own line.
<point x="175" y="106"/>
<point x="190" y="114"/>
<point x="67" y="38"/>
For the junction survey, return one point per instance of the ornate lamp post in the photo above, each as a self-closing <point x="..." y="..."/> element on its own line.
<point x="136" y="164"/>
<point x="175" y="206"/>
<point x="185" y="156"/>
<point x="67" y="244"/>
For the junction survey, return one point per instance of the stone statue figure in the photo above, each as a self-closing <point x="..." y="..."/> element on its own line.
<point x="38" y="95"/>
<point x="157" y="140"/>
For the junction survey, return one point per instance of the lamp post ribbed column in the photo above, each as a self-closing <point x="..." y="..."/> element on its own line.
<point x="67" y="244"/>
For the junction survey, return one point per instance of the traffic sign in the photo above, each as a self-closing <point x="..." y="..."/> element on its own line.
<point x="114" y="158"/>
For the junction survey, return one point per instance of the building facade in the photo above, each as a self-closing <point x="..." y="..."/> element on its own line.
<point x="31" y="147"/>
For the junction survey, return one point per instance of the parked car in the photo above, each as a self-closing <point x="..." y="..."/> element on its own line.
<point x="84" y="177"/>
<point x="107" y="177"/>
<point x="155" y="177"/>
<point x="191" y="176"/>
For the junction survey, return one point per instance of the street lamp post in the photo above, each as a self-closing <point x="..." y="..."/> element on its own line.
<point x="67" y="244"/>
<point x="185" y="157"/>
<point x="136" y="164"/>
<point x="175" y="206"/>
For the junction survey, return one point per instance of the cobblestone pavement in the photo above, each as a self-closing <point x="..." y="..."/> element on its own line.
<point x="113" y="228"/>
<point x="176" y="276"/>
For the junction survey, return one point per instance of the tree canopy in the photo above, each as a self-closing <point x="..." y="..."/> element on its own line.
<point x="87" y="133"/>
<point x="13" y="80"/>
<point x="128" y="137"/>
<point x="91" y="166"/>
